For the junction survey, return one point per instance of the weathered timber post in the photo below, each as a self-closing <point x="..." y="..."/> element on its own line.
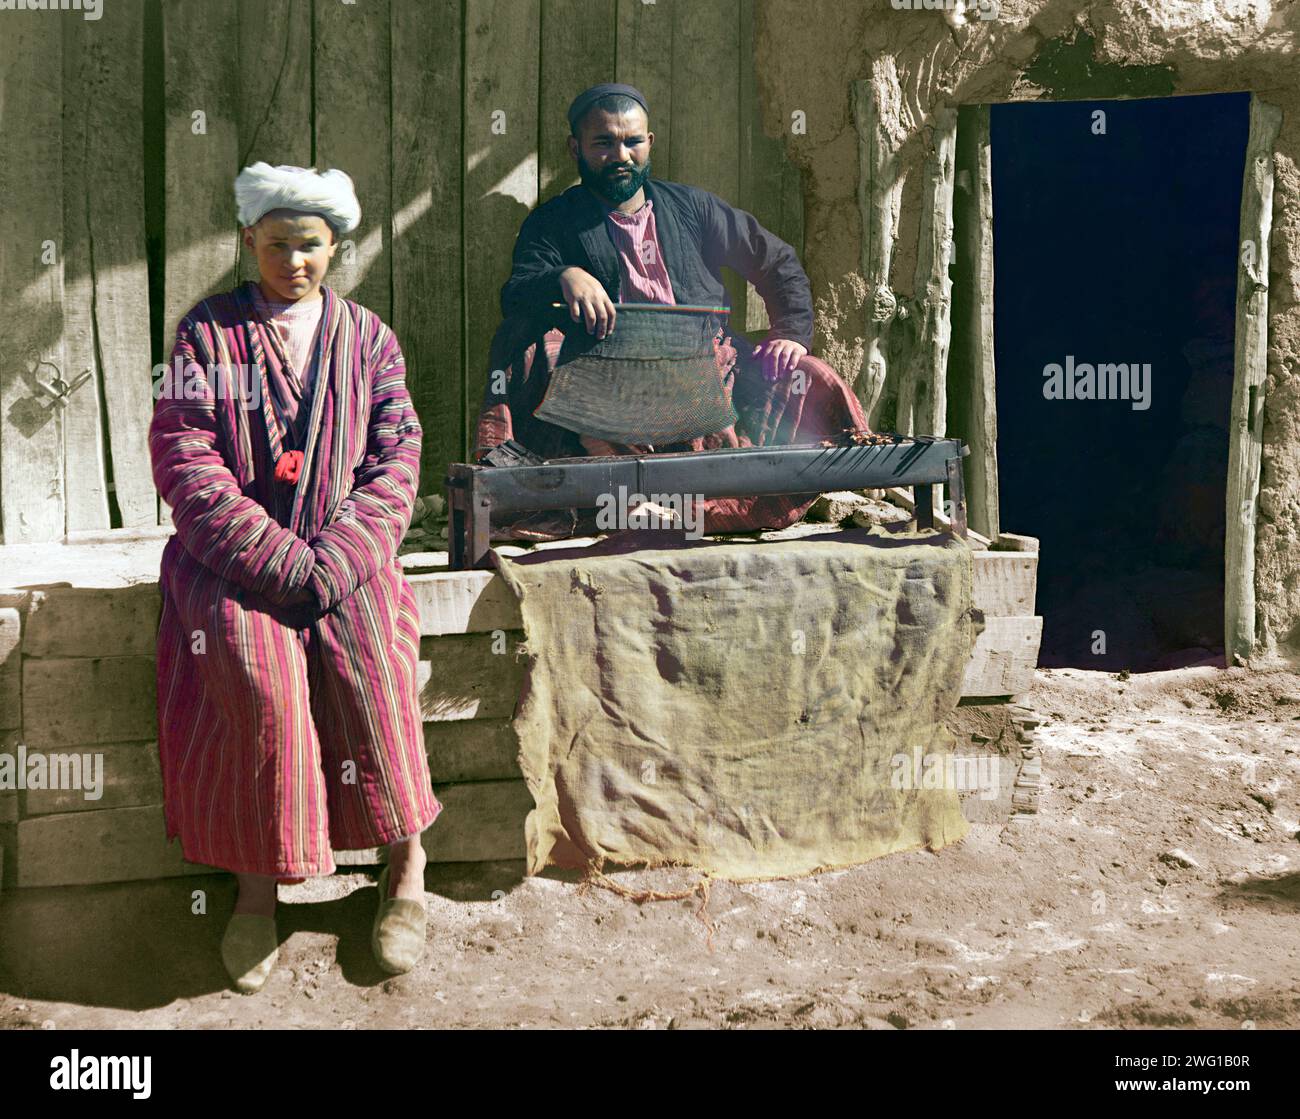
<point x="972" y="388"/>
<point x="879" y="187"/>
<point x="1245" y="440"/>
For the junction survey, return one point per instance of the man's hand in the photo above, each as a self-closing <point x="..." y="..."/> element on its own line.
<point x="779" y="356"/>
<point x="300" y="610"/>
<point x="587" y="298"/>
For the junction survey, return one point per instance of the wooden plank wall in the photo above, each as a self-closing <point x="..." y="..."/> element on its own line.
<point x="99" y="645"/>
<point x="770" y="186"/>
<point x="578" y="50"/>
<point x="448" y="114"/>
<point x="32" y="278"/>
<point x="273" y="92"/>
<point x="354" y="130"/>
<point x="428" y="223"/>
<point x="500" y="183"/>
<point x="104" y="220"/>
<point x="201" y="152"/>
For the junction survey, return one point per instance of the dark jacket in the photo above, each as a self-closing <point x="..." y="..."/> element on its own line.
<point x="698" y="233"/>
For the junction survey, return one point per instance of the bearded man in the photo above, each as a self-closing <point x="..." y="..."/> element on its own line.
<point x="622" y="236"/>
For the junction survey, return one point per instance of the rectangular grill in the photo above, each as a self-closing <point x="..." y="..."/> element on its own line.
<point x="474" y="492"/>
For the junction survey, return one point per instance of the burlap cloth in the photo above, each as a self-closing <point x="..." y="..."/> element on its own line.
<point x="741" y="707"/>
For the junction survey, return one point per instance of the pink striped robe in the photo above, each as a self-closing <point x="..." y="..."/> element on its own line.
<point x="282" y="738"/>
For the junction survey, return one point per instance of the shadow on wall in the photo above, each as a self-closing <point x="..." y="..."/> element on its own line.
<point x="451" y="123"/>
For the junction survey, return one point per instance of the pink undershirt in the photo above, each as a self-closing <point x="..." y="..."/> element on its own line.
<point x="297" y="326"/>
<point x="643" y="275"/>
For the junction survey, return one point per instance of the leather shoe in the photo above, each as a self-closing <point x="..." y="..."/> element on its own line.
<point x="249" y="950"/>
<point x="397" y="938"/>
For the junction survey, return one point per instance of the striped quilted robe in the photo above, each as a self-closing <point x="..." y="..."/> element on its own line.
<point x="287" y="730"/>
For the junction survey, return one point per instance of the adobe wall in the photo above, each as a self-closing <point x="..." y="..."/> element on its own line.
<point x="808" y="52"/>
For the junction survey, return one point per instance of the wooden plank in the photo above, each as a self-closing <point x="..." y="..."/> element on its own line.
<point x="464" y="602"/>
<point x="275" y="84"/>
<point x="903" y="499"/>
<point x="85" y="453"/>
<point x="645" y="60"/>
<point x="759" y="184"/>
<point x="480" y="822"/>
<point x="1004" y="658"/>
<point x="1250" y="370"/>
<point x="32" y="489"/>
<point x="93" y="621"/>
<point x="771" y="187"/>
<point x="10" y="740"/>
<point x="971" y="366"/>
<point x="126" y="773"/>
<point x="577" y="51"/>
<point x="87" y="848"/>
<point x="354" y="133"/>
<point x="1012" y="542"/>
<point x="463" y="678"/>
<point x="501" y="128"/>
<point x="200" y="45"/>
<point x="120" y="536"/>
<point x="472" y="750"/>
<point x="362" y="856"/>
<point x="106" y="196"/>
<point x="922" y="393"/>
<point x="1004" y="583"/>
<point x="79" y="701"/>
<point x="110" y="621"/>
<point x="426" y="224"/>
<point x="706" y="93"/>
<point x="11" y="668"/>
<point x="879" y="192"/>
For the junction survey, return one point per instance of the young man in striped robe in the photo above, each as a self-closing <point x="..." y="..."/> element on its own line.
<point x="285" y="443"/>
<point x="621" y="235"/>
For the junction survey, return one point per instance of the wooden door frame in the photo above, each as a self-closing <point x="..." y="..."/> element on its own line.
<point x="1250" y="367"/>
<point x="966" y="192"/>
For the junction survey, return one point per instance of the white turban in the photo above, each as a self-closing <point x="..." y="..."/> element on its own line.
<point x="262" y="188"/>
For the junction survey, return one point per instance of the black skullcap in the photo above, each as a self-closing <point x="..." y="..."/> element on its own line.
<point x="588" y="97"/>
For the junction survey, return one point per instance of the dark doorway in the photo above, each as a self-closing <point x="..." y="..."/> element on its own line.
<point x="1119" y="249"/>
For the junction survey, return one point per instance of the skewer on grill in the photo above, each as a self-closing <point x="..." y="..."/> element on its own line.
<point x="863" y="438"/>
<point x="681" y="308"/>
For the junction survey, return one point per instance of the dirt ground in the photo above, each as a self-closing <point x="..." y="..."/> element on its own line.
<point x="1158" y="886"/>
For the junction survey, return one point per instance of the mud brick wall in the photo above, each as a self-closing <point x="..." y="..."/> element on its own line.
<point x="921" y="64"/>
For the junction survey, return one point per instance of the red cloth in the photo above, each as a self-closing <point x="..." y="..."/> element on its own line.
<point x="288" y="467"/>
<point x="770" y="412"/>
